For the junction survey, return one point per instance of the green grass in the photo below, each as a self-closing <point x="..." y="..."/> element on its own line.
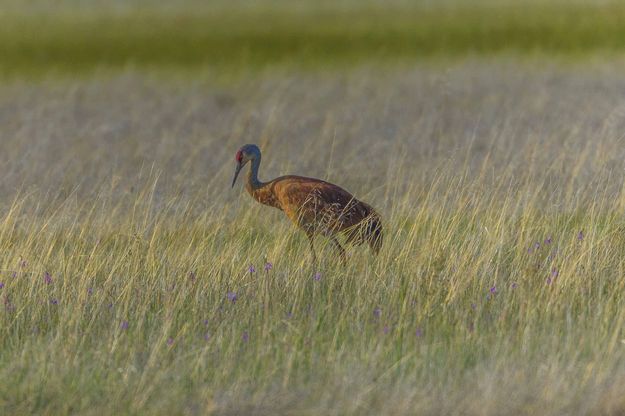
<point x="237" y="39"/>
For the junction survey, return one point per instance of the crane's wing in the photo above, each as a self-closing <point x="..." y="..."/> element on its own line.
<point x="321" y="207"/>
<point x="319" y="204"/>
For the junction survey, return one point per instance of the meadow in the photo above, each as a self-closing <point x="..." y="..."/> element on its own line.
<point x="134" y="280"/>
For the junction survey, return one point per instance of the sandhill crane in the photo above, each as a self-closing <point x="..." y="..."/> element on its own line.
<point x="315" y="206"/>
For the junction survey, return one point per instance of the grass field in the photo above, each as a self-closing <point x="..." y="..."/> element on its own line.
<point x="125" y="273"/>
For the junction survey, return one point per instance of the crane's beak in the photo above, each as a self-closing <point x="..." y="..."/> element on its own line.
<point x="236" y="173"/>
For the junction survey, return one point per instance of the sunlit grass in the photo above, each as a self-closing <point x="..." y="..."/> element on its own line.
<point x="499" y="289"/>
<point x="478" y="294"/>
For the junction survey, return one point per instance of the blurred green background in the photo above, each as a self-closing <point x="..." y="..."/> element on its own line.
<point x="69" y="37"/>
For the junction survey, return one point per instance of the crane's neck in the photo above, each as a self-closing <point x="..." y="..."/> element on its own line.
<point x="252" y="182"/>
<point x="259" y="190"/>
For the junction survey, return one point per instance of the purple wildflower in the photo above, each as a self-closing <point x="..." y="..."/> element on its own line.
<point x="14" y="274"/>
<point x="513" y="285"/>
<point x="47" y="278"/>
<point x="207" y="336"/>
<point x="418" y="333"/>
<point x="317" y="276"/>
<point x="232" y="296"/>
<point x="90" y="291"/>
<point x="493" y="289"/>
<point x="192" y="276"/>
<point x="124" y="325"/>
<point x="473" y="306"/>
<point x="386" y="329"/>
<point x="580" y="236"/>
<point x="537" y="246"/>
<point x="246" y="336"/>
<point x="268" y="266"/>
<point x="54" y="301"/>
<point x="251" y="269"/>
<point x="548" y="240"/>
<point x="205" y="322"/>
<point x="554" y="274"/>
<point x="377" y="312"/>
<point x="23" y="264"/>
<point x="1" y="285"/>
<point x="289" y="315"/>
<point x="170" y="341"/>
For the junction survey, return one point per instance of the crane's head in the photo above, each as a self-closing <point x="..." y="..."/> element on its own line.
<point x="245" y="154"/>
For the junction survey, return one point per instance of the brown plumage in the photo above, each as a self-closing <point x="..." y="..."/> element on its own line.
<point x="315" y="206"/>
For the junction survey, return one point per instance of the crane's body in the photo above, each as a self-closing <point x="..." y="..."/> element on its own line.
<point x="315" y="206"/>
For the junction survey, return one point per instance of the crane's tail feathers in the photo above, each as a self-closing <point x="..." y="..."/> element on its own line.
<point x="373" y="234"/>
<point x="369" y="231"/>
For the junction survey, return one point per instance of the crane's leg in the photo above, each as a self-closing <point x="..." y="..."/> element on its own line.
<point x="341" y="250"/>
<point x="310" y="236"/>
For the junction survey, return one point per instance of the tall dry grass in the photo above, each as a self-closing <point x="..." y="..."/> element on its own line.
<point x="499" y="290"/>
